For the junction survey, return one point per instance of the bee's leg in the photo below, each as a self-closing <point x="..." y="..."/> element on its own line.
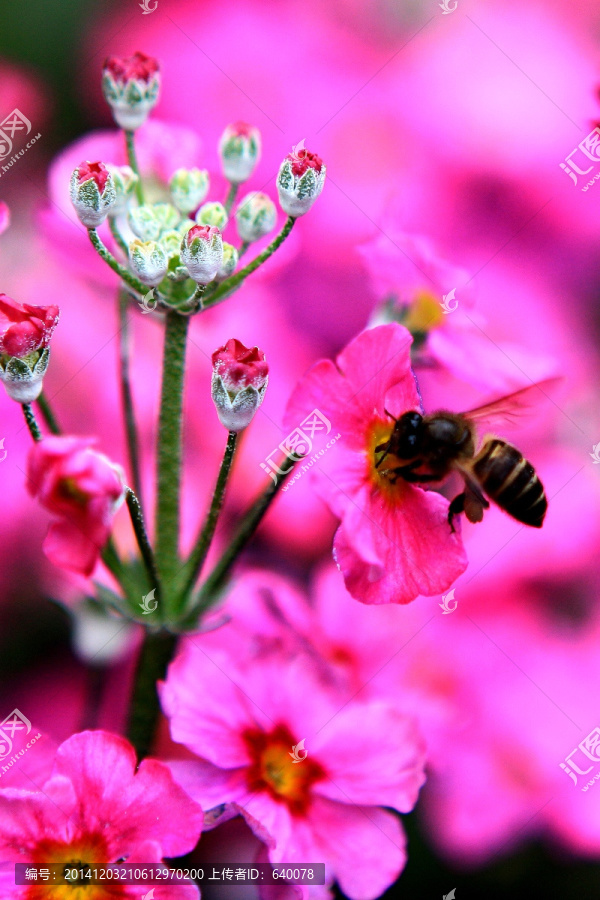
<point x="457" y="506"/>
<point x="475" y="502"/>
<point x="386" y="447"/>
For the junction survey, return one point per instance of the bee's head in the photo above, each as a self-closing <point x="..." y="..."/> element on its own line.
<point x="408" y="435"/>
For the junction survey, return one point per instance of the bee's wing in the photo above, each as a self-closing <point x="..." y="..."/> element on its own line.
<point x="507" y="409"/>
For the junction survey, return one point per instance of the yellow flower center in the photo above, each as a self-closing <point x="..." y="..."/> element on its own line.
<point x="274" y="768"/>
<point x="382" y="477"/>
<point x="88" y="851"/>
<point x="70" y="490"/>
<point x="424" y="314"/>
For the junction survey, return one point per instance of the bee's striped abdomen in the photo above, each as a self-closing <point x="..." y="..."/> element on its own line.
<point x="511" y="482"/>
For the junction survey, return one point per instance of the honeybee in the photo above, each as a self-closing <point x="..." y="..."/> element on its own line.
<point x="427" y="448"/>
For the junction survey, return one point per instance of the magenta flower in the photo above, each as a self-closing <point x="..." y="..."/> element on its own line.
<point x="4" y="216"/>
<point x="309" y="778"/>
<point x="394" y="541"/>
<point x="96" y="808"/>
<point x="25" y="328"/>
<point x="83" y="488"/>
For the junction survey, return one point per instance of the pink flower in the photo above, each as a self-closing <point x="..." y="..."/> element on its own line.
<point x="96" y="808"/>
<point x="4" y="217"/>
<point x="394" y="542"/>
<point x="352" y="759"/>
<point x="84" y="489"/>
<point x="25" y="328"/>
<point x="434" y="300"/>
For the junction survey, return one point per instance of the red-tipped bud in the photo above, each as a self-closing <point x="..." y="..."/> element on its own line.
<point x="239" y="381"/>
<point x="131" y="86"/>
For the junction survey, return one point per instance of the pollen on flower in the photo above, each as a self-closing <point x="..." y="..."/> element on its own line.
<point x="423" y="314"/>
<point x="89" y="850"/>
<point x="392" y="488"/>
<point x="273" y="769"/>
<point x="305" y="160"/>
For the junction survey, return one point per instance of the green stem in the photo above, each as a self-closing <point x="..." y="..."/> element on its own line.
<point x="34" y="428"/>
<point x="211" y="298"/>
<point x="141" y="536"/>
<point x="169" y="446"/>
<point x="194" y="564"/>
<point x="116" y="266"/>
<point x="47" y="414"/>
<point x="155" y="655"/>
<point x="243" y="249"/>
<point x="231" y="195"/>
<point x="126" y="394"/>
<point x="132" y="160"/>
<point x="118" y="237"/>
<point x="209" y="592"/>
<point x="199" y="294"/>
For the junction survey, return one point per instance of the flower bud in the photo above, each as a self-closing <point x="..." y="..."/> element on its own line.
<point x="239" y="381"/>
<point x="188" y="189"/>
<point x="213" y="214"/>
<point x="300" y="181"/>
<point x="131" y="87"/>
<point x="149" y="221"/>
<point x="170" y="241"/>
<point x="25" y="333"/>
<point x="124" y="180"/>
<point x="93" y="193"/>
<point x="22" y="377"/>
<point x="202" y="252"/>
<point x="4" y="216"/>
<point x="230" y="261"/>
<point x="239" y="149"/>
<point x="148" y="261"/>
<point x="255" y="216"/>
